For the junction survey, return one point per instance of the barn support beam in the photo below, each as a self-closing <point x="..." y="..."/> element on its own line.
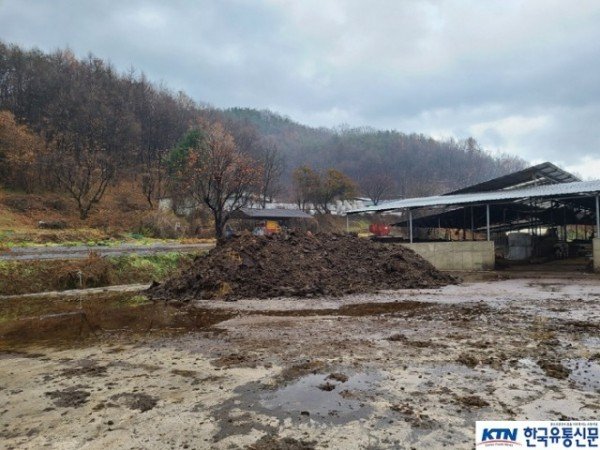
<point x="410" y="225"/>
<point x="598" y="216"/>
<point x="487" y="220"/>
<point x="472" y="225"/>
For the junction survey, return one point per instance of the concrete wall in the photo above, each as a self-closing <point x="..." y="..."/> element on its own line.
<point x="476" y="255"/>
<point x="596" y="254"/>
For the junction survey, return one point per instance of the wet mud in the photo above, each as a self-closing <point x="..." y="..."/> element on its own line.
<point x="70" y="397"/>
<point x="135" y="400"/>
<point x="403" y="369"/>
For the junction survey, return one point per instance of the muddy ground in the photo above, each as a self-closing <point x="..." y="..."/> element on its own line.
<point x="402" y="369"/>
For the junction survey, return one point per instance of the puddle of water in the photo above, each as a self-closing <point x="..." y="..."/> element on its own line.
<point x="344" y="402"/>
<point x="529" y="364"/>
<point x="95" y="321"/>
<point x="584" y="373"/>
<point x="591" y="341"/>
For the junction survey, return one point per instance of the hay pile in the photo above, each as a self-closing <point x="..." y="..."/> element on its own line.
<point x="300" y="265"/>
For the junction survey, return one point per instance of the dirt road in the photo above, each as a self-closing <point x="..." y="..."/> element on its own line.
<point x="82" y="251"/>
<point x="402" y="369"/>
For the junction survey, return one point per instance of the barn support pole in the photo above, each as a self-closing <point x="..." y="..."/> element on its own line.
<point x="347" y="223"/>
<point x="597" y="231"/>
<point x="410" y="225"/>
<point x="487" y="220"/>
<point x="564" y="224"/>
<point x="472" y="225"/>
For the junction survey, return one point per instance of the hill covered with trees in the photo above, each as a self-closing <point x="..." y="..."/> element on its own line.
<point x="412" y="164"/>
<point x="79" y="126"/>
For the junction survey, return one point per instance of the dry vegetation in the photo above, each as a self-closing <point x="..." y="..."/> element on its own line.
<point x="121" y="215"/>
<point x="25" y="277"/>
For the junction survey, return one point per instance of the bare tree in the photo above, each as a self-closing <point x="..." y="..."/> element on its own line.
<point x="84" y="174"/>
<point x="217" y="174"/>
<point x="160" y="126"/>
<point x="153" y="175"/>
<point x="377" y="187"/>
<point x="306" y="183"/>
<point x="272" y="165"/>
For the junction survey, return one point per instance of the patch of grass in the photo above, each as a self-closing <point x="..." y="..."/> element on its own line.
<point x="135" y="268"/>
<point x="39" y="238"/>
<point x="138" y="300"/>
<point x="22" y="277"/>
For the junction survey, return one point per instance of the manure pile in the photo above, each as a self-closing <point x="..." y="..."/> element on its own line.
<point x="299" y="265"/>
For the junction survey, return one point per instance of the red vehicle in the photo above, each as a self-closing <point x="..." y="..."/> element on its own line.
<point x="379" y="229"/>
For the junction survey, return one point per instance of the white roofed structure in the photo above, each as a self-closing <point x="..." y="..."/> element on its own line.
<point x="541" y="195"/>
<point x="578" y="188"/>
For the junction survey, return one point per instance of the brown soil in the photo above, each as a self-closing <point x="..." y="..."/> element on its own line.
<point x="274" y="443"/>
<point x="327" y="386"/>
<point x="300" y="265"/>
<point x="554" y="369"/>
<point x="468" y="360"/>
<point x="399" y="337"/>
<point x="234" y="360"/>
<point x="410" y="415"/>
<point x="88" y="368"/>
<point x="70" y="397"/>
<point x="473" y="401"/>
<point x="341" y="377"/>
<point x="296" y="371"/>
<point x="135" y="400"/>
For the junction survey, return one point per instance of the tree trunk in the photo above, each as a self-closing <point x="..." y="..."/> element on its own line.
<point x="219" y="225"/>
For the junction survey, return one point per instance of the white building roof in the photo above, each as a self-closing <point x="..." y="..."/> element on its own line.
<point x="579" y="188"/>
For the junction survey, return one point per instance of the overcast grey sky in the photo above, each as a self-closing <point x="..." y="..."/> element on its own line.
<point x="520" y="76"/>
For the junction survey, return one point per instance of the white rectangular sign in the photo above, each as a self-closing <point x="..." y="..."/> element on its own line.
<point x="537" y="434"/>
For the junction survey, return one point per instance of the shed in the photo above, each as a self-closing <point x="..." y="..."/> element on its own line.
<point x="270" y="214"/>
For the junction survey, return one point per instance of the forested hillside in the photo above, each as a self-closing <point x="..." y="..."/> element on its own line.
<point x="126" y="126"/>
<point x="416" y="164"/>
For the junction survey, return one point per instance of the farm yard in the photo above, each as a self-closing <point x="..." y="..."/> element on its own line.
<point x="402" y="368"/>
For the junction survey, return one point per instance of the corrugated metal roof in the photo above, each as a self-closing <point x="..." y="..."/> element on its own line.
<point x="271" y="213"/>
<point x="544" y="191"/>
<point x="544" y="173"/>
